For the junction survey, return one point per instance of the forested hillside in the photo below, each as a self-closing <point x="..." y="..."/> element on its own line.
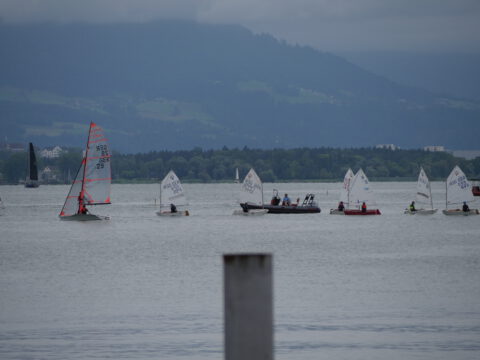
<point x="177" y="84"/>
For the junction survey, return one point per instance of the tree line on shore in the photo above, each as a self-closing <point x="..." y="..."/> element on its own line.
<point x="301" y="164"/>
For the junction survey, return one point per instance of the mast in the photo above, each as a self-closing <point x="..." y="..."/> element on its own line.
<point x="27" y="178"/>
<point x="431" y="199"/>
<point x="262" y="192"/>
<point x="348" y="194"/>
<point x="82" y="192"/>
<point x="446" y="194"/>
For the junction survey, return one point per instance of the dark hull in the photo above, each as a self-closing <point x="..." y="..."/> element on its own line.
<point x="279" y="209"/>
<point x="83" y="217"/>
<point x="360" y="212"/>
<point x="32" y="184"/>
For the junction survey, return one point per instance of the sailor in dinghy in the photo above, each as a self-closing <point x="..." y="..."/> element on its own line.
<point x="360" y="195"/>
<point x="172" y="195"/>
<point x="344" y="194"/>
<point x="423" y="197"/>
<point x="251" y="194"/>
<point x="459" y="193"/>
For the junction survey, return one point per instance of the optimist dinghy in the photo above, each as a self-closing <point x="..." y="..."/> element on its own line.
<point x="344" y="193"/>
<point x="251" y="194"/>
<point x="458" y="193"/>
<point x="172" y="195"/>
<point x="423" y="196"/>
<point x="360" y="192"/>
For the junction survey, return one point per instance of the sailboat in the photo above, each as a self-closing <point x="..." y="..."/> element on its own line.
<point x="32" y="171"/>
<point x="237" y="178"/>
<point x="423" y="197"/>
<point x="344" y="192"/>
<point x="171" y="196"/>
<point x="358" y="193"/>
<point x="251" y="194"/>
<point x="92" y="182"/>
<point x="458" y="192"/>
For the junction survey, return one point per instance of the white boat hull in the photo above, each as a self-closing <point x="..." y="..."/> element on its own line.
<point x="169" y="213"/>
<point x="421" y="212"/>
<point x="459" y="212"/>
<point x="84" y="217"/>
<point x="336" y="212"/>
<point x="250" y="212"/>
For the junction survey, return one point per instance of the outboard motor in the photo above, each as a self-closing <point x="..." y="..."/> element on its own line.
<point x="309" y="200"/>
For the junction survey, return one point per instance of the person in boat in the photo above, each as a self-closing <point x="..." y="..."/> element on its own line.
<point x="286" y="200"/>
<point x="465" y="207"/>
<point x="412" y="207"/>
<point x="364" y="207"/>
<point x="341" y="206"/>
<point x="173" y="208"/>
<point x="275" y="200"/>
<point x="82" y="210"/>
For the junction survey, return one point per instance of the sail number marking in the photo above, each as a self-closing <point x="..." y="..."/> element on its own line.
<point x="461" y="181"/>
<point x="175" y="185"/>
<point x="105" y="156"/>
<point x="250" y="186"/>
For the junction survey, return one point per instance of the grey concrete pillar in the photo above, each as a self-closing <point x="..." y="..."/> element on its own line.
<point x="248" y="292"/>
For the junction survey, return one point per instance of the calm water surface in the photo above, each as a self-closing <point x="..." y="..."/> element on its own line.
<point x="143" y="287"/>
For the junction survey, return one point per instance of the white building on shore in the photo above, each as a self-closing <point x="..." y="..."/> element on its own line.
<point x="387" y="146"/>
<point x="434" y="148"/>
<point x="51" y="154"/>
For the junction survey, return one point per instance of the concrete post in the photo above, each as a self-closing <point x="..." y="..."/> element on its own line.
<point x="248" y="301"/>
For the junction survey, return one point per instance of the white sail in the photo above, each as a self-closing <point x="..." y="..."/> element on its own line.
<point x="97" y="172"/>
<point x="171" y="191"/>
<point x="347" y="180"/>
<point x="252" y="189"/>
<point x="459" y="189"/>
<point x="71" y="202"/>
<point x="360" y="190"/>
<point x="424" y="192"/>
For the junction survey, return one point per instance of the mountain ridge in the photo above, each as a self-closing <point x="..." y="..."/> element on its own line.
<point x="180" y="84"/>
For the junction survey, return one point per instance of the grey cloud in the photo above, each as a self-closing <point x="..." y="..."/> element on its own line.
<point x="19" y="11"/>
<point x="333" y="25"/>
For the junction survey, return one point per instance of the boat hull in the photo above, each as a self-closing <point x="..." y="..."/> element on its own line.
<point x="84" y="217"/>
<point x="280" y="209"/>
<point x="169" y="213"/>
<point x="360" y="212"/>
<point x="31" y="184"/>
<point x="476" y="190"/>
<point x="336" y="212"/>
<point x="458" y="212"/>
<point x="421" y="212"/>
<point x="251" y="212"/>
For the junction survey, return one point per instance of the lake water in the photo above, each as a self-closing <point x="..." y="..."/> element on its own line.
<point x="144" y="287"/>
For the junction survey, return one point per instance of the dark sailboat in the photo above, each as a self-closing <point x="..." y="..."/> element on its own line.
<point x="32" y="171"/>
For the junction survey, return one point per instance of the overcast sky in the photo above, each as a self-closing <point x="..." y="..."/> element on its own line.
<point x="329" y="25"/>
